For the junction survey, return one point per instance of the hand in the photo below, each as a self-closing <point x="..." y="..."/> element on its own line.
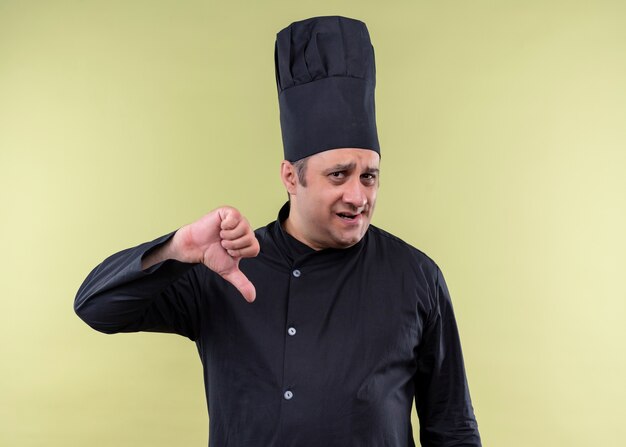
<point x="219" y="240"/>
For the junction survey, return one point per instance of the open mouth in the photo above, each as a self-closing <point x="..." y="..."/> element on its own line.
<point x="347" y="216"/>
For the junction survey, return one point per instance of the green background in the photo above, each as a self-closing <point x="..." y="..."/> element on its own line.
<point x="503" y="131"/>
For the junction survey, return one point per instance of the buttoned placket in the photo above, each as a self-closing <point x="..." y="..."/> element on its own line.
<point x="290" y="334"/>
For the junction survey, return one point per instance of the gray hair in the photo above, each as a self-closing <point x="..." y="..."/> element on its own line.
<point x="300" y="166"/>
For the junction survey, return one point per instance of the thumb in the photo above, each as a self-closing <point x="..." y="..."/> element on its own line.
<point x="241" y="283"/>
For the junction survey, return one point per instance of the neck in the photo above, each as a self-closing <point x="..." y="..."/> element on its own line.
<point x="290" y="226"/>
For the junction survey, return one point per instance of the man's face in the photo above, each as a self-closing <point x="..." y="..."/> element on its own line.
<point x="335" y="207"/>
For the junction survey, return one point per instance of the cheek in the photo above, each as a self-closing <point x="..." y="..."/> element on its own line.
<point x="327" y="199"/>
<point x="372" y="198"/>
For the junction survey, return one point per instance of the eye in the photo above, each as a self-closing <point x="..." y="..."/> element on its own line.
<point x="368" y="178"/>
<point x="337" y="174"/>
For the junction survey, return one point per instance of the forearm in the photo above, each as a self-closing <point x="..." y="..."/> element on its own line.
<point x="158" y="254"/>
<point x="130" y="290"/>
<point x="120" y="295"/>
<point x="177" y="248"/>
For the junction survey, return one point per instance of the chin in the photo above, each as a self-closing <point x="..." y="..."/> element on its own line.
<point x="348" y="242"/>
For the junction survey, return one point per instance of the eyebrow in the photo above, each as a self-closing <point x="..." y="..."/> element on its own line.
<point x="349" y="167"/>
<point x="340" y="167"/>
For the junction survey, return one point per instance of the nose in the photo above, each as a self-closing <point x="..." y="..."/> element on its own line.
<point x="354" y="193"/>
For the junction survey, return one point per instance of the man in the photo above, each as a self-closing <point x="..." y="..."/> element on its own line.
<point x="343" y="325"/>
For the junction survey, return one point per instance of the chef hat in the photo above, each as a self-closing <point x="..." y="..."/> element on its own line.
<point x="326" y="76"/>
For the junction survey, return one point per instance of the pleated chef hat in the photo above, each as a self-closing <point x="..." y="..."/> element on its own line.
<point x="325" y="74"/>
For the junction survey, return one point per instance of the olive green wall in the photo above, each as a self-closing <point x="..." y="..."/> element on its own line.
<point x="502" y="125"/>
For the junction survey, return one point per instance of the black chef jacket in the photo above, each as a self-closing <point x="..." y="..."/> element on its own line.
<point x="332" y="353"/>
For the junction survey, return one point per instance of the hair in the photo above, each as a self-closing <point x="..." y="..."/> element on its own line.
<point x="300" y="166"/>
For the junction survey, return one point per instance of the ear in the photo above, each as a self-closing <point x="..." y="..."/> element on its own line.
<point x="289" y="176"/>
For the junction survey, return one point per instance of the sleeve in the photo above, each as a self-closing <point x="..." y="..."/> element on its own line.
<point x="117" y="296"/>
<point x="442" y="397"/>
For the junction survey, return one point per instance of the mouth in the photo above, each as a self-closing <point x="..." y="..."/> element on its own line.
<point x="350" y="217"/>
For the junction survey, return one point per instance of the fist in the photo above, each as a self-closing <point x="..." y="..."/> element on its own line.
<point x="219" y="240"/>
